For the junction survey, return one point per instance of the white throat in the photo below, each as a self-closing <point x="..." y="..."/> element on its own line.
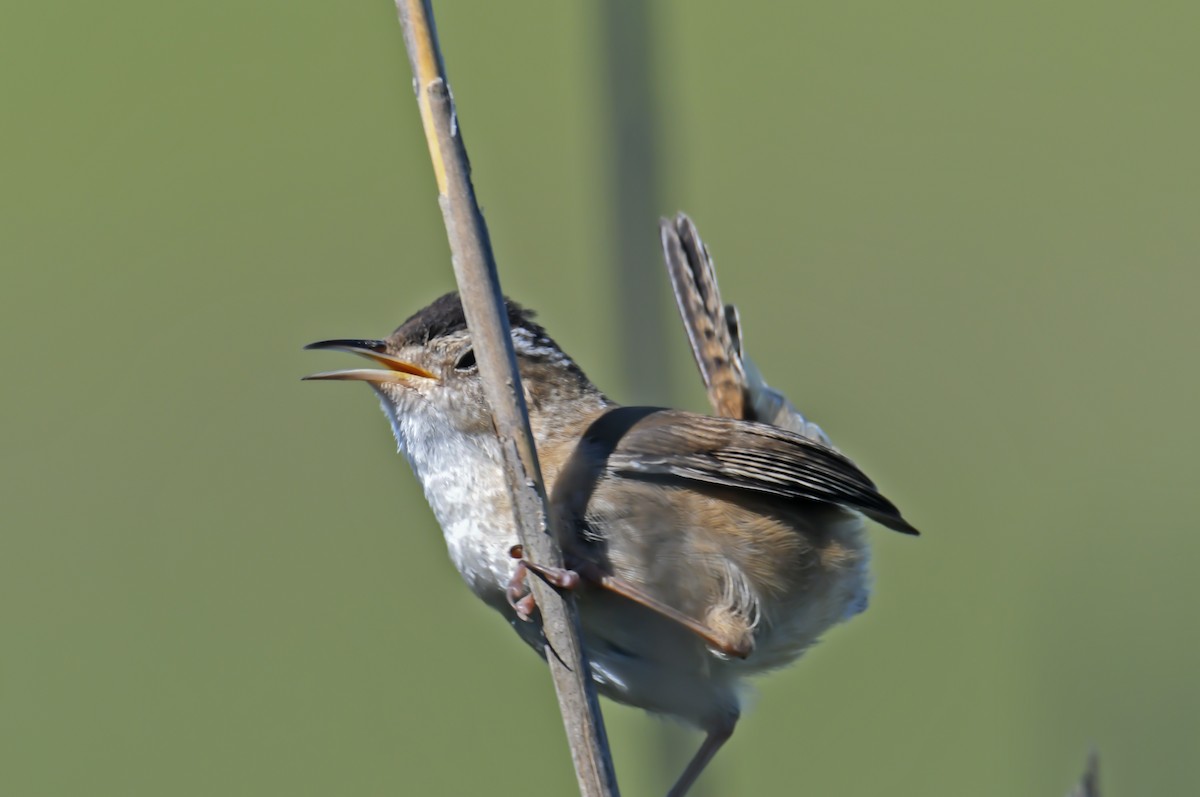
<point x="463" y="479"/>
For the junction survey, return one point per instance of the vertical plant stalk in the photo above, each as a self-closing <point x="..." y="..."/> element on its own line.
<point x="483" y="304"/>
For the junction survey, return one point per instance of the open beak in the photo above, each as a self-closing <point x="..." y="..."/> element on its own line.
<point x="397" y="370"/>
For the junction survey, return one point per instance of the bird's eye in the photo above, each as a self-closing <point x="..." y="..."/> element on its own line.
<point x="466" y="361"/>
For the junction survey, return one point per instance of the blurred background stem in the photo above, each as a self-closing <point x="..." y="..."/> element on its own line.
<point x="632" y="115"/>
<point x="630" y="75"/>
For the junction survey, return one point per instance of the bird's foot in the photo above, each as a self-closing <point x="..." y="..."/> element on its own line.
<point x="519" y="595"/>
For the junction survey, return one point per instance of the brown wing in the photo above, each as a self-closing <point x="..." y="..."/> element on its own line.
<point x="654" y="444"/>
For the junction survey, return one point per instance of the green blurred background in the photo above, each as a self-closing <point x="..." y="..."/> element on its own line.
<point x="962" y="236"/>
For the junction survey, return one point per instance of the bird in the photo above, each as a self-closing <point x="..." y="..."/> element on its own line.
<point x="703" y="549"/>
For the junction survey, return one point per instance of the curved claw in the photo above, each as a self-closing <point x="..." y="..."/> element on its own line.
<point x="518" y="595"/>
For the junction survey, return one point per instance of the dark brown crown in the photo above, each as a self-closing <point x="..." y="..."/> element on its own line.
<point x="445" y="317"/>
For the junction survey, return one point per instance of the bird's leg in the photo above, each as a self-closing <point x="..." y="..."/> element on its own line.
<point x="571" y="578"/>
<point x="708" y="748"/>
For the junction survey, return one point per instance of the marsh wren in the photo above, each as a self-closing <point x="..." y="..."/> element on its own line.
<point x="705" y="549"/>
